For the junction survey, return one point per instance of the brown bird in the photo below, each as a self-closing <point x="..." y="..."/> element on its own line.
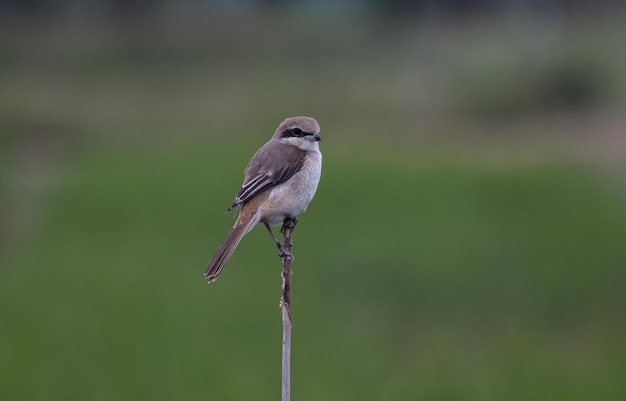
<point x="280" y="182"/>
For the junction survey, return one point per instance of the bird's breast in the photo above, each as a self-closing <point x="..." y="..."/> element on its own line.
<point x="294" y="195"/>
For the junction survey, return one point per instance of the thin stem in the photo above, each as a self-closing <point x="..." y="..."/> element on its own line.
<point x="285" y="304"/>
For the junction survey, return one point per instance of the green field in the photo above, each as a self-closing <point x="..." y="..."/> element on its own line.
<point x="412" y="280"/>
<point x="464" y="258"/>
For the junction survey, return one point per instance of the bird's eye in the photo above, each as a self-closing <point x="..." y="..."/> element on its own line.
<point x="293" y="132"/>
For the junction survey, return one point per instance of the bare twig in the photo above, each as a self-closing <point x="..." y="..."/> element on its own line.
<point x="285" y="304"/>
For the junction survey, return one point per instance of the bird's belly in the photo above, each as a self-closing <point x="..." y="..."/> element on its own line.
<point x="292" y="197"/>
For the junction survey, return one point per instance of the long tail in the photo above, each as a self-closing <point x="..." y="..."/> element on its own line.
<point x="226" y="249"/>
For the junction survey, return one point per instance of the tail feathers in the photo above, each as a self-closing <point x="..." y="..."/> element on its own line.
<point x="225" y="250"/>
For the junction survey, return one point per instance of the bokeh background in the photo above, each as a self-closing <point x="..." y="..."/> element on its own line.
<point x="468" y="238"/>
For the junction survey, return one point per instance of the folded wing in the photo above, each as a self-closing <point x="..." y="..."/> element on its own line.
<point x="264" y="172"/>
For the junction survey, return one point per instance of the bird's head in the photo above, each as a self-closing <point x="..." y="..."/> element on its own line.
<point x="302" y="132"/>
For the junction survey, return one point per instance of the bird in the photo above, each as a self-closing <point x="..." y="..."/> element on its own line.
<point x="279" y="183"/>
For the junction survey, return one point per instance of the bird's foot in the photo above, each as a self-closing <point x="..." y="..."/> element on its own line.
<point x="290" y="223"/>
<point x="284" y="252"/>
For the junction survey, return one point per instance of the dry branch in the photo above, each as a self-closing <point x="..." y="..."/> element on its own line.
<point x="285" y="304"/>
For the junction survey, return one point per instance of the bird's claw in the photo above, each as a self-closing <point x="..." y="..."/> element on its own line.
<point x="290" y="223"/>
<point x="284" y="252"/>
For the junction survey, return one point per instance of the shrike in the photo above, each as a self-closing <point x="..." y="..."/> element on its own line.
<point x="280" y="182"/>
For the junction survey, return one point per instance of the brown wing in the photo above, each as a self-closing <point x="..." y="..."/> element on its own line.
<point x="271" y="165"/>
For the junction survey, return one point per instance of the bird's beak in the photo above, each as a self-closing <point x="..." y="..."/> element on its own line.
<point x="314" y="138"/>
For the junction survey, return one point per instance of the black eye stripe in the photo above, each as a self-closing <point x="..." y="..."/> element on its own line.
<point x="293" y="132"/>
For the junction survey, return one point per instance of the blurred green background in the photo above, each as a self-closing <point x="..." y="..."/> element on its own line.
<point x="467" y="241"/>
